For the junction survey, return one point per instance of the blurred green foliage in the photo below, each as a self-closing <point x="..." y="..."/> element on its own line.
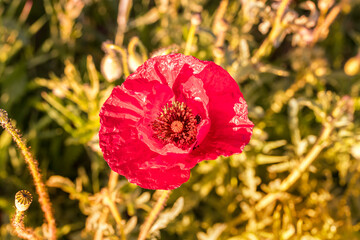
<point x="294" y="68"/>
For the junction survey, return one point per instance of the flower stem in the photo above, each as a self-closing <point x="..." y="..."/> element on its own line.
<point x="219" y="28"/>
<point x="195" y="22"/>
<point x="135" y="42"/>
<point x="35" y="173"/>
<point x="19" y="228"/>
<point x="23" y="200"/>
<point x="154" y="214"/>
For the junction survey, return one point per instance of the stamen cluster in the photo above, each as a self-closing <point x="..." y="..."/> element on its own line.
<point x="176" y="124"/>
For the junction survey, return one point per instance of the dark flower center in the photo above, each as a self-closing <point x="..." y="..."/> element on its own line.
<point x="176" y="124"/>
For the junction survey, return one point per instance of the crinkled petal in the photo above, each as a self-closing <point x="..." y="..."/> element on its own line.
<point x="125" y="151"/>
<point x="230" y="127"/>
<point x="165" y="178"/>
<point x="130" y="157"/>
<point x="176" y="71"/>
<point x="126" y="136"/>
<point x="167" y="68"/>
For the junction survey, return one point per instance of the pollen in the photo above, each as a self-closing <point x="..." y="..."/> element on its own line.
<point x="176" y="124"/>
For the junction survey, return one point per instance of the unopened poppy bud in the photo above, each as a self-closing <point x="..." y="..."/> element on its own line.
<point x="352" y="66"/>
<point x="111" y="67"/>
<point x="23" y="199"/>
<point x="134" y="61"/>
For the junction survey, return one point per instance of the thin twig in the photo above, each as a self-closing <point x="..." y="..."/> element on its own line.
<point x="114" y="211"/>
<point x="100" y="231"/>
<point x="154" y="214"/>
<point x="25" y="11"/>
<point x="324" y="27"/>
<point x="283" y="98"/>
<point x="123" y="11"/>
<point x="113" y="179"/>
<point x="195" y="22"/>
<point x="274" y="33"/>
<point x="190" y="39"/>
<point x="220" y="12"/>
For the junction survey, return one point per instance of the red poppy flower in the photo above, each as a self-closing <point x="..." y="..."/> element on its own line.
<point x="171" y="113"/>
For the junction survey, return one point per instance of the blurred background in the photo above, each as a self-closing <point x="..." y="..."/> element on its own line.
<point x="297" y="64"/>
